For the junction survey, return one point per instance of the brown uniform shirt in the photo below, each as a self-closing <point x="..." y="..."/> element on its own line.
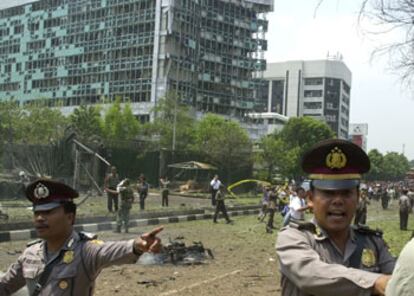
<point x="76" y="271"/>
<point x="311" y="264"/>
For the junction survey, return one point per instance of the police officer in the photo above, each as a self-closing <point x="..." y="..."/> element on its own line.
<point x="362" y="209"/>
<point x="110" y="183"/>
<point x="164" y="183"/>
<point x="221" y="206"/>
<point x="405" y="208"/>
<point x="64" y="261"/>
<point x="327" y="256"/>
<point x="127" y="198"/>
<point x="143" y="187"/>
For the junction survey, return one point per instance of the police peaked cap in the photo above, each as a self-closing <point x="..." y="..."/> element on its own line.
<point x="46" y="194"/>
<point x="335" y="164"/>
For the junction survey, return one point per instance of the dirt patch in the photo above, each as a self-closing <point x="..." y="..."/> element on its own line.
<point x="244" y="264"/>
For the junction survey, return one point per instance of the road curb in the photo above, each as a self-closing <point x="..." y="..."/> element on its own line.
<point x="27" y="234"/>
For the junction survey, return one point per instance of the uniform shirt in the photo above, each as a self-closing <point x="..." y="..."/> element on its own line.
<point x="113" y="181"/>
<point x="215" y="184"/>
<point x="402" y="280"/>
<point x="404" y="203"/>
<point x="295" y="204"/>
<point x="272" y="200"/>
<point x="127" y="195"/>
<point x="164" y="183"/>
<point x="311" y="264"/>
<point x="76" y="271"/>
<point x="219" y="195"/>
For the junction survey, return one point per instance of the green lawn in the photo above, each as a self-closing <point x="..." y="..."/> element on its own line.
<point x="388" y="221"/>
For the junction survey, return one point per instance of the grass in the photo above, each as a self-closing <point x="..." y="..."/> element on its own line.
<point x="388" y="221"/>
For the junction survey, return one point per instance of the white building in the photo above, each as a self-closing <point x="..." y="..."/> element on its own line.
<point x="263" y="124"/>
<point x="358" y="133"/>
<point x="319" y="88"/>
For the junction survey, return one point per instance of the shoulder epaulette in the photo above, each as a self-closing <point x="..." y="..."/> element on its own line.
<point x="363" y="229"/>
<point x="303" y="226"/>
<point x="36" y="241"/>
<point x="87" y="235"/>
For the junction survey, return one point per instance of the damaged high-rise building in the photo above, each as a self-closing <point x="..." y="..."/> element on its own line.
<point x="74" y="52"/>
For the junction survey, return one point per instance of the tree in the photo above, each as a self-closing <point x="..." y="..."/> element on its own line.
<point x="389" y="167"/>
<point x="40" y="124"/>
<point x="275" y="156"/>
<point x="120" y="123"/>
<point x="86" y="122"/>
<point x="305" y="132"/>
<point x="170" y="115"/>
<point x="395" y="166"/>
<point x="300" y="134"/>
<point x="376" y="159"/>
<point x="10" y="116"/>
<point x="390" y="16"/>
<point x="225" y="143"/>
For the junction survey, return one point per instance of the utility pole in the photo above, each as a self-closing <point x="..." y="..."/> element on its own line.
<point x="174" y="123"/>
<point x="403" y="149"/>
<point x="177" y="73"/>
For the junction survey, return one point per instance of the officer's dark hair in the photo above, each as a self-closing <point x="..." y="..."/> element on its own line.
<point x="70" y="207"/>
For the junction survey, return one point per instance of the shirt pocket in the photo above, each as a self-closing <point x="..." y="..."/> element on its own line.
<point x="62" y="279"/>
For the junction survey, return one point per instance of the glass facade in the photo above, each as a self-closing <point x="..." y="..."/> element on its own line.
<point x="73" y="52"/>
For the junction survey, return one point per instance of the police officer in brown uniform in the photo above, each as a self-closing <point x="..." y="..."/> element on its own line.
<point x="327" y="256"/>
<point x="64" y="261"/>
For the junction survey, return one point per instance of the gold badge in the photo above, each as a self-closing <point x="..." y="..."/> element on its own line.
<point x="336" y="159"/>
<point x="63" y="284"/>
<point x="97" y="242"/>
<point x="368" y="258"/>
<point x="68" y="257"/>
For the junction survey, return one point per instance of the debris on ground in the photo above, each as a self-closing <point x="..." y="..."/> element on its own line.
<point x="177" y="253"/>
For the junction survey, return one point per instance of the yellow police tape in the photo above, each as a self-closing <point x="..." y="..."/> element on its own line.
<point x="229" y="188"/>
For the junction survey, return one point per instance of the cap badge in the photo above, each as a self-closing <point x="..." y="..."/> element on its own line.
<point x="368" y="258"/>
<point x="336" y="159"/>
<point x="41" y="191"/>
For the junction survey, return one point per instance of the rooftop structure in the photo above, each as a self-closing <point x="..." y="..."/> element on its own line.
<point x="320" y="89"/>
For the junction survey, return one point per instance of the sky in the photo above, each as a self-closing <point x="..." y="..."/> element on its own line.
<point x="299" y="31"/>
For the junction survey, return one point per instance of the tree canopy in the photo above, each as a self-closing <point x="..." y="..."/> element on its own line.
<point x="87" y="122"/>
<point x="281" y="152"/>
<point x="224" y="142"/>
<point x="389" y="167"/>
<point x="170" y="113"/>
<point x="120" y="123"/>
